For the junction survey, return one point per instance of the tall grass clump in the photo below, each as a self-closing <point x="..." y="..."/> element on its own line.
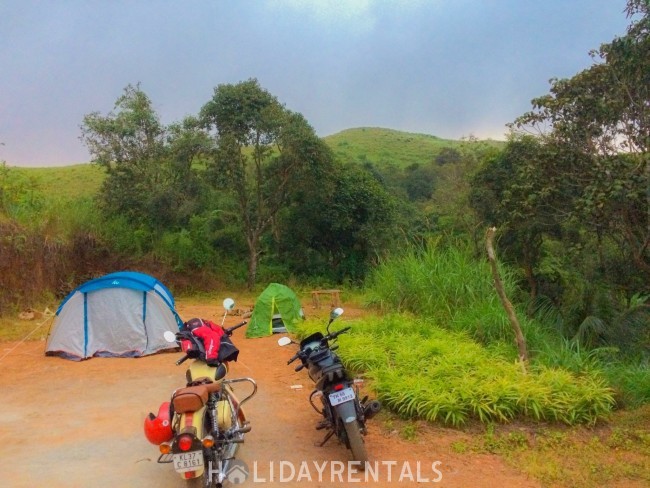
<point x="422" y="371"/>
<point x="630" y="380"/>
<point x="447" y="284"/>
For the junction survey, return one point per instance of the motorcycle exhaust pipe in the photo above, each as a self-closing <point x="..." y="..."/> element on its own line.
<point x="244" y="429"/>
<point x="371" y="409"/>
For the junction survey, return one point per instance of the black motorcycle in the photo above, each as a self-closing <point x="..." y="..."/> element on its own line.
<point x="343" y="413"/>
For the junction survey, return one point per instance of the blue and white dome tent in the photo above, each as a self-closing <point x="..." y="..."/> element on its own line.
<point x="123" y="314"/>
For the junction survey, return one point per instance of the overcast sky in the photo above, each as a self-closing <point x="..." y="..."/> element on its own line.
<point x="449" y="68"/>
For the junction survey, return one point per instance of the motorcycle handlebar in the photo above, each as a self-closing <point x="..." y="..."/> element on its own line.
<point x="324" y="340"/>
<point x="334" y="335"/>
<point x="183" y="334"/>
<point x="230" y="330"/>
<point x="182" y="360"/>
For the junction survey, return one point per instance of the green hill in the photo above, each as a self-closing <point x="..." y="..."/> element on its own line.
<point x="364" y="144"/>
<point x="66" y="183"/>
<point x="387" y="146"/>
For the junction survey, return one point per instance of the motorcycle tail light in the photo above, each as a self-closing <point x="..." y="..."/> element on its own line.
<point x="208" y="441"/>
<point x="339" y="387"/>
<point x="185" y="442"/>
<point x="165" y="448"/>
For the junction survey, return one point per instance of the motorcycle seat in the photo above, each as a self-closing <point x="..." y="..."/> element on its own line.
<point x="192" y="398"/>
<point x="333" y="372"/>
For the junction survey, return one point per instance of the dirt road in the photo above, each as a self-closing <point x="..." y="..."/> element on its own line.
<point x="79" y="424"/>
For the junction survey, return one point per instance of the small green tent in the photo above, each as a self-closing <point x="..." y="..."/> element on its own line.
<point x="275" y="300"/>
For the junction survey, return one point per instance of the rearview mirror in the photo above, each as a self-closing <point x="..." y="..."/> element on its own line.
<point x="284" y="341"/>
<point x="228" y="303"/>
<point x="170" y="336"/>
<point x="337" y="312"/>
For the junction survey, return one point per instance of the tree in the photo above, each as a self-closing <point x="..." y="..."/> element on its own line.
<point x="507" y="305"/>
<point x="338" y="225"/>
<point x="419" y="181"/>
<point x="150" y="181"/>
<point x="450" y="200"/>
<point x="448" y="155"/>
<point x="523" y="191"/>
<point x="601" y="117"/>
<point x="261" y="150"/>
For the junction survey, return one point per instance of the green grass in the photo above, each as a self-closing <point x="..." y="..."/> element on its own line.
<point x="387" y="146"/>
<point x="447" y="284"/>
<point x="382" y="146"/>
<point x="65" y="183"/>
<point x="456" y="292"/>
<point x="422" y="371"/>
<point x="13" y="328"/>
<point x="615" y="454"/>
<point x="630" y="380"/>
<point x="54" y="202"/>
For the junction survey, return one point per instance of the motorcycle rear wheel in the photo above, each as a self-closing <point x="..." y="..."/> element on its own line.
<point x="198" y="482"/>
<point x="357" y="446"/>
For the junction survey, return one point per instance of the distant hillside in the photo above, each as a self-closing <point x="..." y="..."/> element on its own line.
<point x="372" y="144"/>
<point x="383" y="146"/>
<point x="65" y="182"/>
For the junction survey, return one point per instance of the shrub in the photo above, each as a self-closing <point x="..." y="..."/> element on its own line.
<point x="422" y="371"/>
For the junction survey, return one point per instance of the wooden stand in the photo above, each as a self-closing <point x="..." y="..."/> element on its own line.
<point x="334" y="295"/>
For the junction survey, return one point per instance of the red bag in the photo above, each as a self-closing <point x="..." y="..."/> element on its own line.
<point x="218" y="347"/>
<point x="211" y="338"/>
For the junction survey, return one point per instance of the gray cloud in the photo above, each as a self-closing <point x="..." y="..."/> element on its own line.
<point x="445" y="68"/>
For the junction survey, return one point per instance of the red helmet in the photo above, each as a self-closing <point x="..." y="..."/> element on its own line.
<point x="159" y="429"/>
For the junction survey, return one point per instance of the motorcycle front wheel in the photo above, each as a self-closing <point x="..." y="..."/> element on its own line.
<point x="357" y="446"/>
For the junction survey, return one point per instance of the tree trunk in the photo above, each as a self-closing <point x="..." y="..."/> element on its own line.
<point x="514" y="322"/>
<point x="253" y="253"/>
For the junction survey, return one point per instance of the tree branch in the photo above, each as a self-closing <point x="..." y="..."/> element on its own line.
<point x="514" y="322"/>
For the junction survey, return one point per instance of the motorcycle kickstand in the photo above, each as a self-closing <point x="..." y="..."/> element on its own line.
<point x="327" y="438"/>
<point x="323" y="424"/>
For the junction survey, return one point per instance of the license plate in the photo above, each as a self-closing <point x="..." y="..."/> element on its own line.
<point x="342" y="396"/>
<point x="188" y="461"/>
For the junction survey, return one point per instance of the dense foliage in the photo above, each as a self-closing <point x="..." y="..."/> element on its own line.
<point x="263" y="153"/>
<point x="245" y="181"/>
<point x="572" y="202"/>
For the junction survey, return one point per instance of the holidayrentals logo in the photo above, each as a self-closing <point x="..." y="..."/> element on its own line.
<point x="236" y="472"/>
